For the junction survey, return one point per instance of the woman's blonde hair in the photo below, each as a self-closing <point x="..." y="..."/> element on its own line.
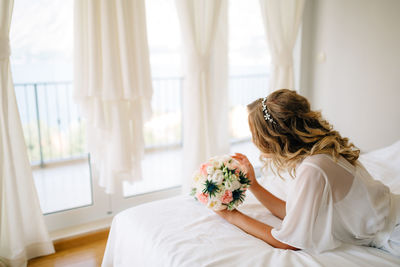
<point x="295" y="133"/>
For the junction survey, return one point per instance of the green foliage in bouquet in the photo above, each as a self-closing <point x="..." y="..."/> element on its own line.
<point x="227" y="173"/>
<point x="230" y="206"/>
<point x="243" y="179"/>
<point x="193" y="193"/>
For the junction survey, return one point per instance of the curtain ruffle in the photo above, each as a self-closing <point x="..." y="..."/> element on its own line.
<point x="112" y="84"/>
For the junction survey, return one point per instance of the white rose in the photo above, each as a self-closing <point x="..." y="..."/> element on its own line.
<point x="215" y="205"/>
<point x="200" y="184"/>
<point x="233" y="186"/>
<point x="234" y="177"/>
<point x="217" y="177"/>
<point x="210" y="169"/>
<point x="219" y="206"/>
<point x="197" y="177"/>
<point x="216" y="164"/>
<point x="220" y="193"/>
<point x="236" y="185"/>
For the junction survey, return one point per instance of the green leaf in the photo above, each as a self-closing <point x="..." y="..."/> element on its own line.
<point x="193" y="192"/>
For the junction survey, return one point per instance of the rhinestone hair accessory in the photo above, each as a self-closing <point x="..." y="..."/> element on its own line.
<point x="267" y="116"/>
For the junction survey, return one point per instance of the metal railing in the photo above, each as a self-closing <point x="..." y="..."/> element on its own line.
<point x="54" y="131"/>
<point x="53" y="127"/>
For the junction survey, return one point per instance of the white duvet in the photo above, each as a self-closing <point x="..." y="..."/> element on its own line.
<point x="181" y="232"/>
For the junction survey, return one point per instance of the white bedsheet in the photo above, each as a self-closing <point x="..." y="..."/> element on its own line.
<point x="181" y="232"/>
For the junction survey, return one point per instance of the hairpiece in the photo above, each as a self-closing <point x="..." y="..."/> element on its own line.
<point x="267" y="116"/>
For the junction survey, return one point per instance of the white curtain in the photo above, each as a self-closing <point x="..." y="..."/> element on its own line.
<point x="282" y="19"/>
<point x="112" y="84"/>
<point x="205" y="95"/>
<point x="23" y="234"/>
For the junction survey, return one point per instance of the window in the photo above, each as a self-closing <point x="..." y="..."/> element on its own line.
<point x="163" y="133"/>
<point x="41" y="63"/>
<point x="249" y="70"/>
<point x="55" y="134"/>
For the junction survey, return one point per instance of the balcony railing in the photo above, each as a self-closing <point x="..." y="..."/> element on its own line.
<point x="54" y="130"/>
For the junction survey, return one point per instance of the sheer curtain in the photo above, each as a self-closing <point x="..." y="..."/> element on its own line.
<point x="23" y="234"/>
<point x="112" y="84"/>
<point x="205" y="94"/>
<point x="282" y="19"/>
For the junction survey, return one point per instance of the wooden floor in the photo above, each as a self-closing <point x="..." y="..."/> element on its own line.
<point x="82" y="251"/>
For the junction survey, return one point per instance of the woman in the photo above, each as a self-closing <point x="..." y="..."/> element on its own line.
<point x="332" y="200"/>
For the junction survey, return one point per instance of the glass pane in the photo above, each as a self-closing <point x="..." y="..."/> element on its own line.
<point x="53" y="127"/>
<point x="163" y="133"/>
<point x="161" y="170"/>
<point x="248" y="49"/>
<point x="42" y="40"/>
<point x="249" y="63"/>
<point x="62" y="187"/>
<point x="41" y="63"/>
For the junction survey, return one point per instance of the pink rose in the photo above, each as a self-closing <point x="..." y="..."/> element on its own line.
<point x="202" y="197"/>
<point x="203" y="168"/>
<point x="227" y="197"/>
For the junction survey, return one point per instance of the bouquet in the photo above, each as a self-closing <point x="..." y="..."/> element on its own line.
<point x="220" y="183"/>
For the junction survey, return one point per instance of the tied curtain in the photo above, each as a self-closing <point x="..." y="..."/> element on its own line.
<point x="112" y="84"/>
<point x="205" y="94"/>
<point x="282" y="19"/>
<point x="23" y="234"/>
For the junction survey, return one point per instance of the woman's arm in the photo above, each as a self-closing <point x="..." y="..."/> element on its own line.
<point x="253" y="227"/>
<point x="271" y="202"/>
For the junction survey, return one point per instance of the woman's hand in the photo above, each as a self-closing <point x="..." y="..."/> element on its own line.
<point x="248" y="168"/>
<point x="271" y="202"/>
<point x="227" y="214"/>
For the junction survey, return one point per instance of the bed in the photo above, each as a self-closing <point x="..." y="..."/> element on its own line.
<point x="180" y="232"/>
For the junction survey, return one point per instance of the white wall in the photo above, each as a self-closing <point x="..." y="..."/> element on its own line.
<point x="357" y="87"/>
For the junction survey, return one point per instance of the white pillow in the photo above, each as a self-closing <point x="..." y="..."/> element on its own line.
<point x="384" y="165"/>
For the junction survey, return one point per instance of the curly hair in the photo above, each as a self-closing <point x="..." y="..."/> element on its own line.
<point x="297" y="132"/>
